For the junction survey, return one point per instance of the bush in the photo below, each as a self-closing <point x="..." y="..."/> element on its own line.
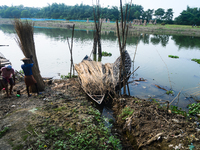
<point x="163" y="23"/>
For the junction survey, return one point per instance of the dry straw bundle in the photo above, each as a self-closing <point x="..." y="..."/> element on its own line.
<point x="95" y="77"/>
<point x="26" y="43"/>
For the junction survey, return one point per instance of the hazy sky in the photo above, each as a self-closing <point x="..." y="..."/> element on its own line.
<point x="177" y="5"/>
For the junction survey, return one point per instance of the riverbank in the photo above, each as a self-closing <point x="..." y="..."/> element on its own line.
<point x="63" y="117"/>
<point x="150" y="29"/>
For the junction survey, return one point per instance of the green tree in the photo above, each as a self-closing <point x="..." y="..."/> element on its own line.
<point x="189" y="17"/>
<point x="159" y="13"/>
<point x="25" y="14"/>
<point x="16" y="13"/>
<point x="169" y="15"/>
<point x="149" y="14"/>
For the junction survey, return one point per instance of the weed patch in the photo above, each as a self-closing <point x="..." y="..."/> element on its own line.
<point x="172" y="56"/>
<point x="177" y="110"/>
<point x="196" y="60"/>
<point x="3" y="132"/>
<point x="194" y="108"/>
<point x="126" y="112"/>
<point x="106" y="54"/>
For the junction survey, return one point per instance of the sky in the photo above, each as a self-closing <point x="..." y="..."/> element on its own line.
<point x="177" y="5"/>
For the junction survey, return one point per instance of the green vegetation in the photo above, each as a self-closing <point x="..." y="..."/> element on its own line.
<point x="67" y="76"/>
<point x="189" y="17"/>
<point x="169" y="92"/>
<point x="194" y="108"/>
<point x="126" y="112"/>
<point x="91" y="134"/>
<point x="3" y="132"/>
<point x="196" y="60"/>
<point x="106" y="54"/>
<point x="82" y="12"/>
<point x="177" y="110"/>
<point x="21" y="71"/>
<point x="172" y="56"/>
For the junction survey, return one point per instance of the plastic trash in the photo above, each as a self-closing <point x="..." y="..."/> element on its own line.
<point x="191" y="147"/>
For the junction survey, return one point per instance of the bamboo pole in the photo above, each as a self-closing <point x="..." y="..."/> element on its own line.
<point x="70" y="49"/>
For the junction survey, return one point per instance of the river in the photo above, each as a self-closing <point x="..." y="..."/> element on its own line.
<point x="152" y="56"/>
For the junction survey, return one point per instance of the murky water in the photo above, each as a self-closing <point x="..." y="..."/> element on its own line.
<point x="151" y="55"/>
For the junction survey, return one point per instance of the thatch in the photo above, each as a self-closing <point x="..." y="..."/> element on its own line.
<point x="97" y="78"/>
<point x="26" y="43"/>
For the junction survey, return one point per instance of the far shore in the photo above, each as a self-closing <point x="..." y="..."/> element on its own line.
<point x="149" y="29"/>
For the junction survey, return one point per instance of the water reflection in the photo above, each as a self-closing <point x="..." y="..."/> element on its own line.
<point x="151" y="56"/>
<point x="133" y="37"/>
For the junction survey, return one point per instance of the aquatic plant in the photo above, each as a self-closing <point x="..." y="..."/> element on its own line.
<point x="106" y="54"/>
<point x="194" y="108"/>
<point x="177" y="110"/>
<point x="196" y="60"/>
<point x="172" y="56"/>
<point x="169" y="92"/>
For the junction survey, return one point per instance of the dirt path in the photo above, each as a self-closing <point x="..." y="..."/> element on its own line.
<point x="17" y="113"/>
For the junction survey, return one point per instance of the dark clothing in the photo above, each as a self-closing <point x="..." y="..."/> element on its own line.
<point x="27" y="68"/>
<point x="29" y="80"/>
<point x="9" y="80"/>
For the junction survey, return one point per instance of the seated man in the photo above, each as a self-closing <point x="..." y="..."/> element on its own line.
<point x="29" y="79"/>
<point x="8" y="75"/>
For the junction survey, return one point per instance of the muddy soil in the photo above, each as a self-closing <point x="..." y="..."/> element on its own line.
<point x="65" y="105"/>
<point x="152" y="127"/>
<point x="18" y="113"/>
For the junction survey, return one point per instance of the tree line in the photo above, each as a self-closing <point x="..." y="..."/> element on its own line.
<point x="82" y="12"/>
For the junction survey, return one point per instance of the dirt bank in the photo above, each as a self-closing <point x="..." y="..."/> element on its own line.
<point x="62" y="117"/>
<point x="148" y="126"/>
<point x="150" y="29"/>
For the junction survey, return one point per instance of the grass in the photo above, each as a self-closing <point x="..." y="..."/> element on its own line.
<point x="196" y="60"/>
<point x="172" y="56"/>
<point x="68" y="76"/>
<point x="3" y="132"/>
<point x="126" y="112"/>
<point x="92" y="135"/>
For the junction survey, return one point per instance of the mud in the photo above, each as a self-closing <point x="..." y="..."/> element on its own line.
<point x="152" y="127"/>
<point x="64" y="104"/>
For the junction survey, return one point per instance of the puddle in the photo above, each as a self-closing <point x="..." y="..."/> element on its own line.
<point x="109" y="119"/>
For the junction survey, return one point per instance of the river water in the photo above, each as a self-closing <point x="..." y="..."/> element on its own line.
<point x="152" y="56"/>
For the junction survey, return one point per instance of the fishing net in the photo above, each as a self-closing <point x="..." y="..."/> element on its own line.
<point x="97" y="78"/>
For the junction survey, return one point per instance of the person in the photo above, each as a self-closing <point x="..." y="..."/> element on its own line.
<point x="8" y="75"/>
<point x="29" y="79"/>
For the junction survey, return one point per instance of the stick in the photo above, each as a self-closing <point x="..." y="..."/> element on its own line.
<point x="175" y="97"/>
<point x="131" y="73"/>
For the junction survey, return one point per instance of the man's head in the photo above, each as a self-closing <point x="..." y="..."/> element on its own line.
<point x="25" y="60"/>
<point x="8" y="67"/>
